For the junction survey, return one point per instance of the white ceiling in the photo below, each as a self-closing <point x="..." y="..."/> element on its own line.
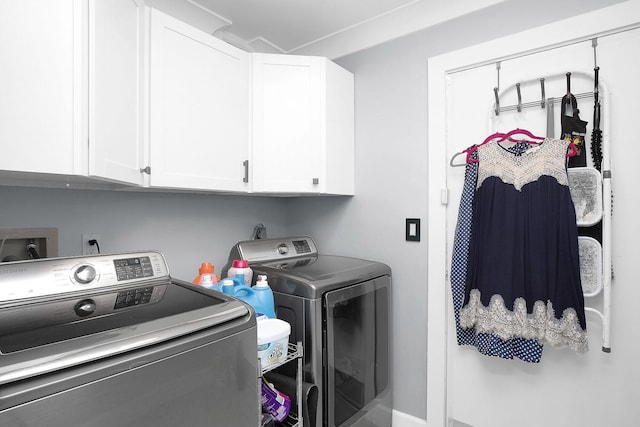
<point x="330" y="28"/>
<point x="290" y="24"/>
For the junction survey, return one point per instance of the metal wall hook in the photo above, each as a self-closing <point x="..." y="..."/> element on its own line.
<point x="544" y="101"/>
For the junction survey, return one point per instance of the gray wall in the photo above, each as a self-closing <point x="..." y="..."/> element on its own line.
<point x="188" y="228"/>
<point x="391" y="172"/>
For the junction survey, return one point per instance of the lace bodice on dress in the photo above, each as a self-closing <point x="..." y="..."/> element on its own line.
<point x="520" y="167"/>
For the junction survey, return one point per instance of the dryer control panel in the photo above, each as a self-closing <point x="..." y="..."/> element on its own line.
<point x="267" y="250"/>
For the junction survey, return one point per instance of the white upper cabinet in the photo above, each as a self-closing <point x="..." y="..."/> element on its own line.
<point x="69" y="103"/>
<point x="199" y="109"/>
<point x="110" y="91"/>
<point x="41" y="77"/>
<point x="303" y="126"/>
<point x="116" y="140"/>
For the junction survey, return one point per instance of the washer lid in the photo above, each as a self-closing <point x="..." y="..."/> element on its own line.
<point x="313" y="276"/>
<point x="41" y="337"/>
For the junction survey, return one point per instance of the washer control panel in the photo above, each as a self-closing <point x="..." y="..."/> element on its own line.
<point x="133" y="268"/>
<point x="54" y="276"/>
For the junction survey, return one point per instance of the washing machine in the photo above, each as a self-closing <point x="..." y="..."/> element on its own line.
<point x="114" y="340"/>
<point x="340" y="309"/>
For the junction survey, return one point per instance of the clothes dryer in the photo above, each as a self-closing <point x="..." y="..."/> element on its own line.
<point x="340" y="308"/>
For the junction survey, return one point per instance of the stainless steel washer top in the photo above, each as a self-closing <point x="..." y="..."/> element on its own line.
<point x="57" y="313"/>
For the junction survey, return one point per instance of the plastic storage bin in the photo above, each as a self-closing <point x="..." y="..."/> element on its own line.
<point x="586" y="192"/>
<point x="590" y="265"/>
<point x="273" y="339"/>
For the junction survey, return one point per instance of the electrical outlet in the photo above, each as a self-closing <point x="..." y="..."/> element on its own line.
<point x="88" y="249"/>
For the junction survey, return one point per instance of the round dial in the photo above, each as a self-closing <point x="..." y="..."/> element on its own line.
<point x="85" y="274"/>
<point x="85" y="307"/>
<point x="283" y="249"/>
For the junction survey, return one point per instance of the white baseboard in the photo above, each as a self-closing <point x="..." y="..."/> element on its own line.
<point x="400" y="419"/>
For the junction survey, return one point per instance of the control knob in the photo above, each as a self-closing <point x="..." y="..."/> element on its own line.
<point x="85" y="274"/>
<point x="85" y="307"/>
<point x="283" y="249"/>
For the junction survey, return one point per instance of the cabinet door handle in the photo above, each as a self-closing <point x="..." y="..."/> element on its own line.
<point x="316" y="181"/>
<point x="146" y="170"/>
<point x="246" y="171"/>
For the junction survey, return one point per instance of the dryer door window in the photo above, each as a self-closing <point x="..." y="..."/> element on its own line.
<point x="357" y="348"/>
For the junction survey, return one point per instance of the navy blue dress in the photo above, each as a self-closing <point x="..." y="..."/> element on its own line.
<point x="523" y="273"/>
<point x="528" y="350"/>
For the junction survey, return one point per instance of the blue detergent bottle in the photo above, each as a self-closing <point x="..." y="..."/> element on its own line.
<point x="264" y="297"/>
<point x="234" y="286"/>
<point x="260" y="296"/>
<point x="227" y="285"/>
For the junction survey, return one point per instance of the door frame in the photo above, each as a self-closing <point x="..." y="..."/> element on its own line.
<point x="609" y="20"/>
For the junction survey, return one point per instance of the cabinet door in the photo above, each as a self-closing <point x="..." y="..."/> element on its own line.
<point x="339" y="145"/>
<point x="41" y="101"/>
<point x="115" y="136"/>
<point x="287" y="119"/>
<point x="199" y="109"/>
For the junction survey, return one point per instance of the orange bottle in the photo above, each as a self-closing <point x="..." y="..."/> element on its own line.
<point x="206" y="268"/>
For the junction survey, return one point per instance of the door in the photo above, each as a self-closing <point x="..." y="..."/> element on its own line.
<point x="199" y="109"/>
<point x="471" y="101"/>
<point x="357" y="349"/>
<point x="481" y="390"/>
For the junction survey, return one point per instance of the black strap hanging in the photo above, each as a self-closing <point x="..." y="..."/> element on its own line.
<point x="574" y="129"/>
<point x="596" y="133"/>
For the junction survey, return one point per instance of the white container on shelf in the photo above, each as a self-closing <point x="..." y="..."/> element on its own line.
<point x="273" y="339"/>
<point x="586" y="192"/>
<point x="590" y="265"/>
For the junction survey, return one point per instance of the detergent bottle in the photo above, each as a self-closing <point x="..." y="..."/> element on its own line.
<point x="241" y="266"/>
<point x="206" y="269"/>
<point x="227" y="286"/>
<point x="259" y="297"/>
<point x="207" y="280"/>
<point x="264" y="297"/>
<point x="230" y="283"/>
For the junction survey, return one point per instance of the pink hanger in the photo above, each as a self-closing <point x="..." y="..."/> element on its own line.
<point x="573" y="152"/>
<point x="517" y="131"/>
<point x="473" y="148"/>
<point x="504" y="136"/>
<point x="525" y="132"/>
